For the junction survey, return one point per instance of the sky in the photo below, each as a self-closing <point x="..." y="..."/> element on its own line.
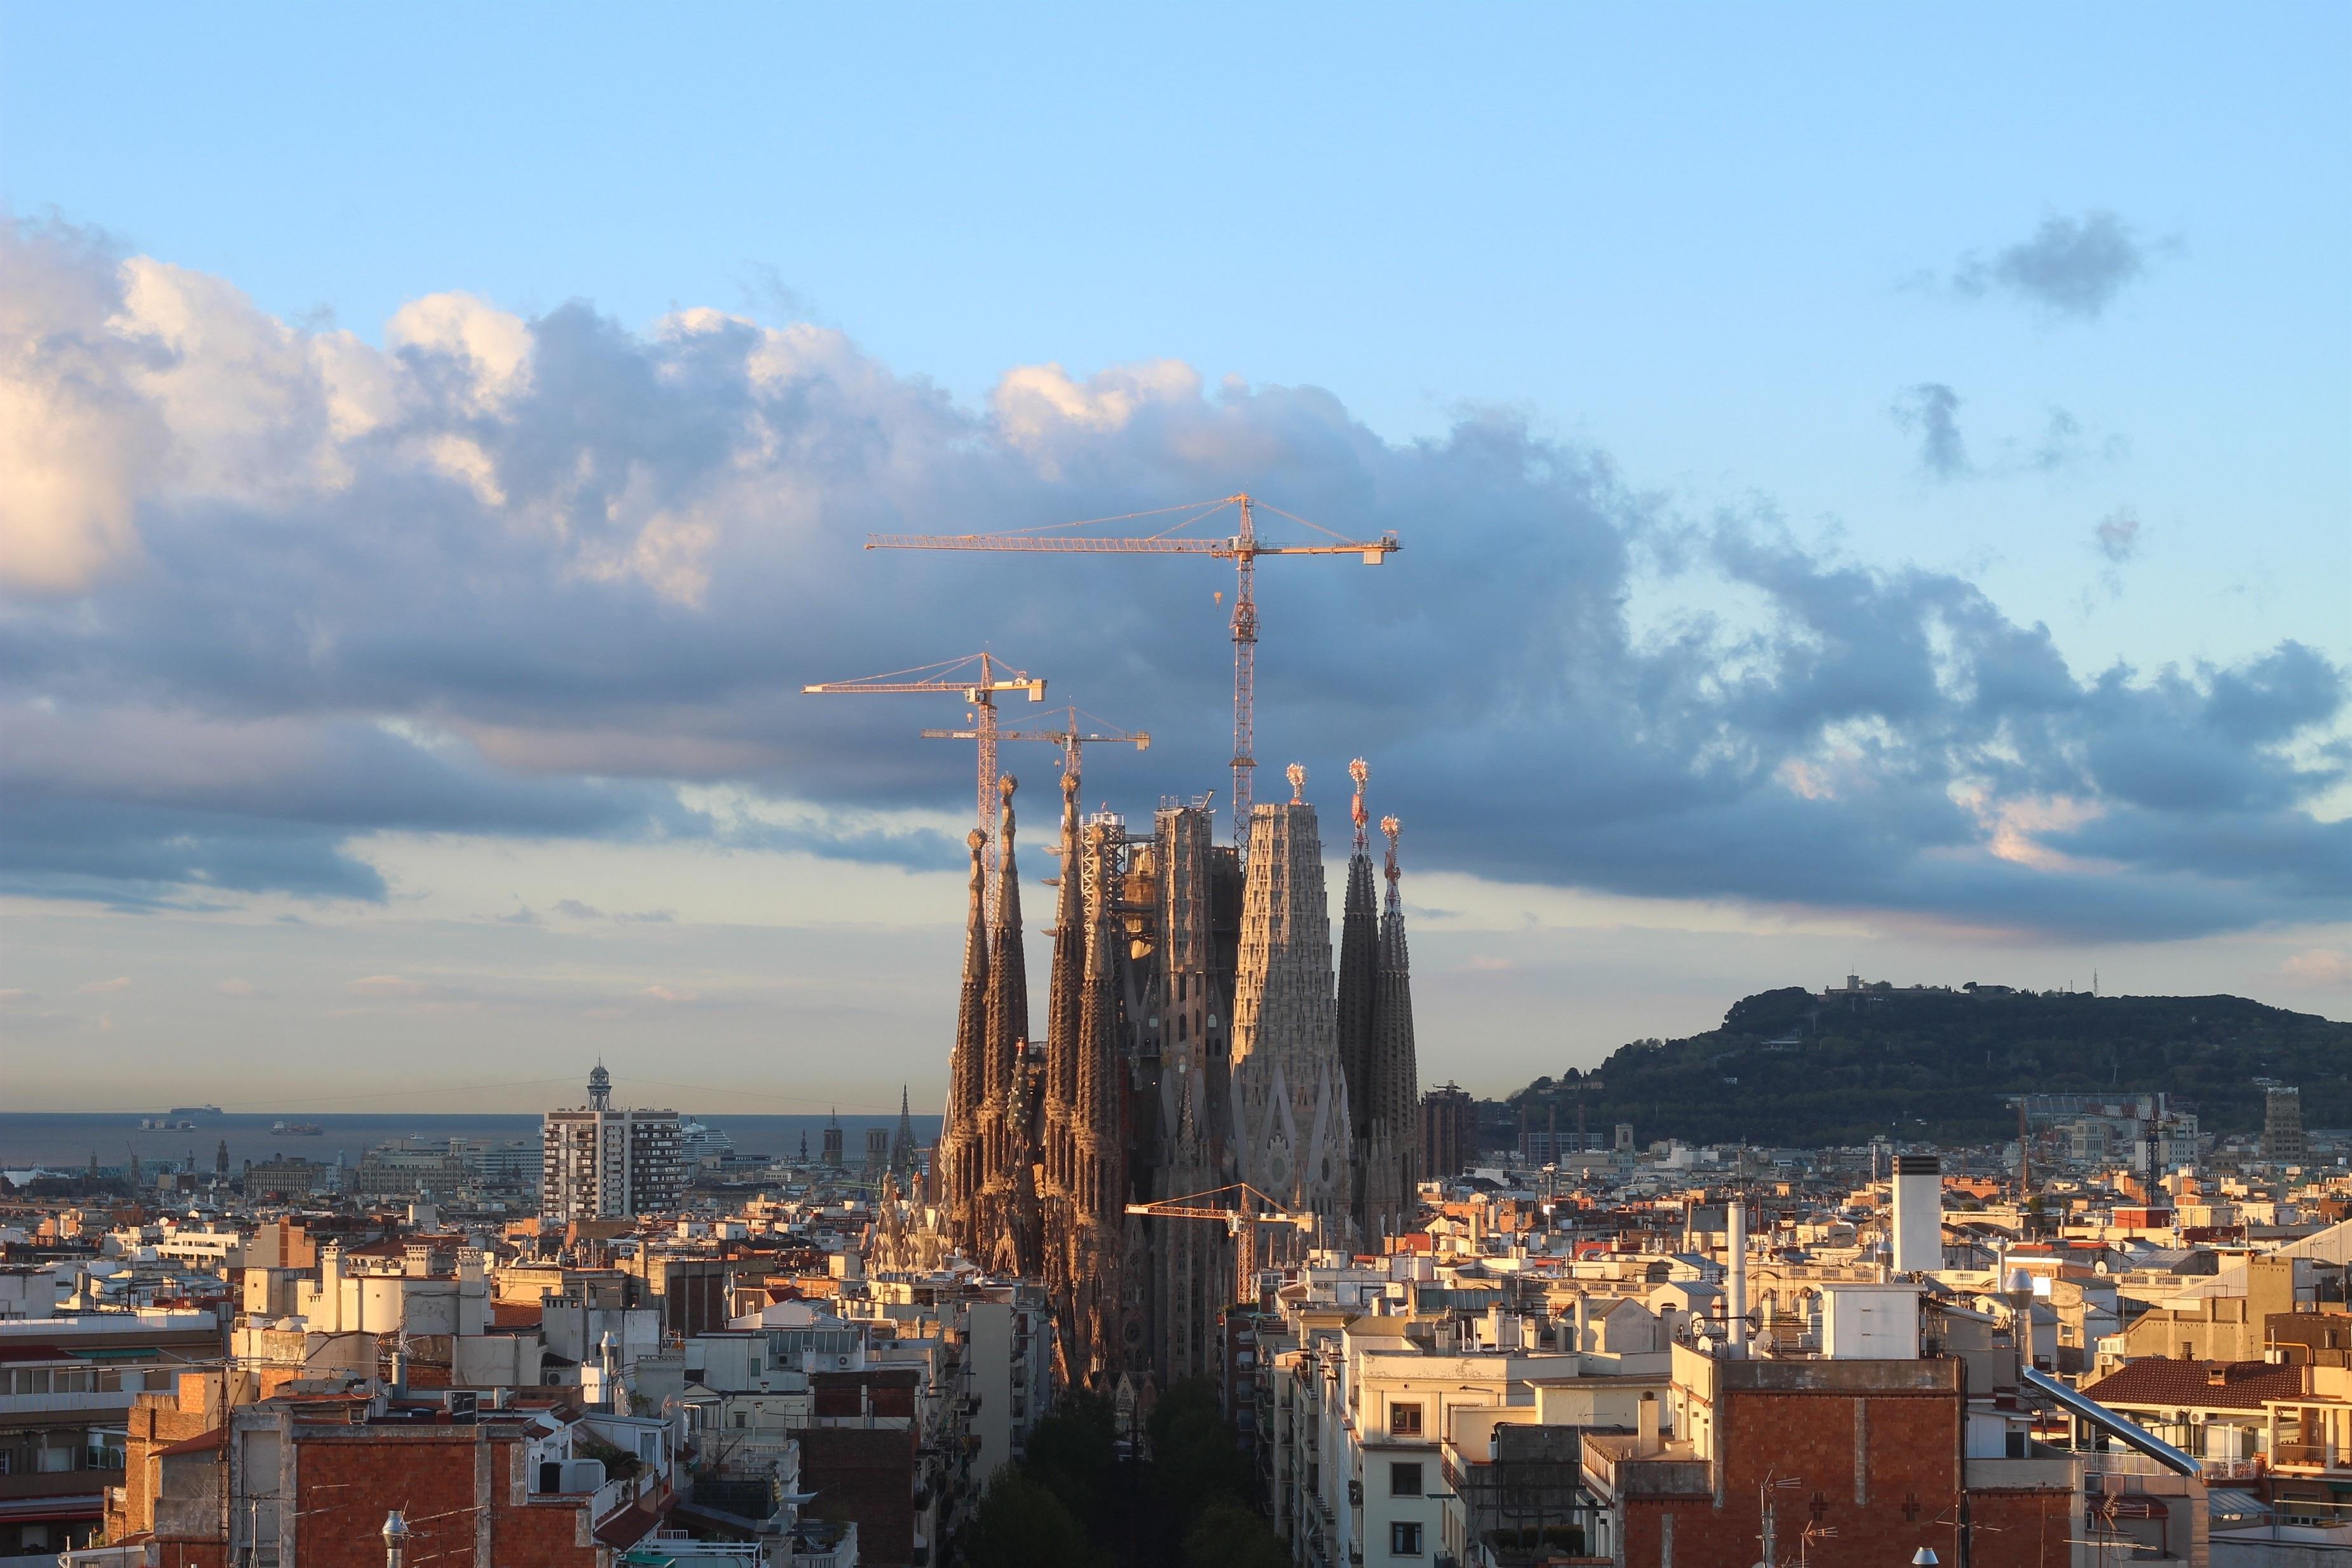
<point x="1872" y="488"/>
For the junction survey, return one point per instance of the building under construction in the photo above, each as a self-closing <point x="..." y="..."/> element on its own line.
<point x="1196" y="1039"/>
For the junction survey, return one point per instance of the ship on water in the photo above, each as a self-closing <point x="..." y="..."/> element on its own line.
<point x="296" y="1129"/>
<point x="196" y="1112"/>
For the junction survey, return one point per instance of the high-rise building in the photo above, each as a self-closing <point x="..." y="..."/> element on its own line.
<point x="1448" y="1123"/>
<point x="599" y="1162"/>
<point x="2283" y="1138"/>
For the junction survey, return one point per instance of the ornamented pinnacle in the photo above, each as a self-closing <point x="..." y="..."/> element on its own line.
<point x="975" y="841"/>
<point x="1394" y="830"/>
<point x="1361" y="772"/>
<point x="1296" y="774"/>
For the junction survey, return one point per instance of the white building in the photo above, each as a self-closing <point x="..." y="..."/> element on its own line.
<point x="604" y="1164"/>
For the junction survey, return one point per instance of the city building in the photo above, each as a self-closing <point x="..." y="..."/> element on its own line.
<point x="599" y="1162"/>
<point x="1449" y="1126"/>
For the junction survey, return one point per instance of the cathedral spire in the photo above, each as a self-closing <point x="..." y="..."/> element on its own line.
<point x="1065" y="987"/>
<point x="1289" y="1093"/>
<point x="1360" y="944"/>
<point x="1008" y="1199"/>
<point x="958" y="1156"/>
<point x="1395" y="1075"/>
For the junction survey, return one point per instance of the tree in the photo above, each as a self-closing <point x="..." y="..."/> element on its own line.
<point x="1229" y="1534"/>
<point x="1074" y="1454"/>
<point x="1020" y="1524"/>
<point x="1194" y="1459"/>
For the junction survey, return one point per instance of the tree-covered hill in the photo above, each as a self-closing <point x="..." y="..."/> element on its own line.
<point x="1794" y="1068"/>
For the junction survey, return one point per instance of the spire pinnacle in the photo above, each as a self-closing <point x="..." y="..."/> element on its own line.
<point x="1361" y="772"/>
<point x="1395" y="831"/>
<point x="1296" y="774"/>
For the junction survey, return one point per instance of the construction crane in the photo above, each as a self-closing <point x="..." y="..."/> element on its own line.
<point x="957" y="675"/>
<point x="1195" y="1206"/>
<point x="1242" y="546"/>
<point x="1069" y="738"/>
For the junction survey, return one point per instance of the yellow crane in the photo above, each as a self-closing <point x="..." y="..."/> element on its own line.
<point x="978" y="679"/>
<point x="1242" y="546"/>
<point x="1069" y="738"/>
<point x="1199" y="1206"/>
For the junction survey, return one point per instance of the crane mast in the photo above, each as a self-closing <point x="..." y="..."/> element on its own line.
<point x="1243" y="547"/>
<point x="953" y="675"/>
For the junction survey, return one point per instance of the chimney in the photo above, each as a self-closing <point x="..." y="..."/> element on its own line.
<point x="1645" y="1428"/>
<point x="1584" y="1322"/>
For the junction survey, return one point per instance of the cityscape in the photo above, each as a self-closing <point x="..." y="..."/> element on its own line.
<point x="502" y="1066"/>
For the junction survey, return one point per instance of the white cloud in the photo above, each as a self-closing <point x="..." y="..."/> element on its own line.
<point x="2320" y="967"/>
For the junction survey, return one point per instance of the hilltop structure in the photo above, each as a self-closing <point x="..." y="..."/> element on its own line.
<point x="1194" y="1038"/>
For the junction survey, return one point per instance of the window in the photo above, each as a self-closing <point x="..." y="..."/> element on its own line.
<point x="1404" y="1539"/>
<point x="1404" y="1420"/>
<point x="1404" y="1481"/>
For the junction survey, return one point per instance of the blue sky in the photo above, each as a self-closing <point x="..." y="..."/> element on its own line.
<point x="1842" y="339"/>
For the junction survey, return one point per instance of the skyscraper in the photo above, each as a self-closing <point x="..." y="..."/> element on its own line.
<point x="599" y="1162"/>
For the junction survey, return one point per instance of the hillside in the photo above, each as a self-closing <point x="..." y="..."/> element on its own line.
<point x="1795" y="1069"/>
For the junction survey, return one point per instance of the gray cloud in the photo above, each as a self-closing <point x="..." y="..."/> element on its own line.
<point x="2071" y="266"/>
<point x="2118" y="535"/>
<point x="1931" y="409"/>
<point x="530" y="577"/>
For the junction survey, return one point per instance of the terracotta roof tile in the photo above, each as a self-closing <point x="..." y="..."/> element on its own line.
<point x="2158" y="1380"/>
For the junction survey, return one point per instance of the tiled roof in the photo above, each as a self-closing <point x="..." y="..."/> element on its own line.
<point x="2158" y="1380"/>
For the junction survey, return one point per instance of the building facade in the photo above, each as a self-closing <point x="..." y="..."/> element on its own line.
<point x="599" y="1162"/>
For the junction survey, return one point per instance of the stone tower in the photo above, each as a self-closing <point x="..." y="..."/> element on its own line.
<point x="1007" y="1232"/>
<point x="1193" y="888"/>
<point x="1392" y="1164"/>
<point x="956" y="1161"/>
<point x="1065" y="991"/>
<point x="1360" y="960"/>
<point x="1291" y="1122"/>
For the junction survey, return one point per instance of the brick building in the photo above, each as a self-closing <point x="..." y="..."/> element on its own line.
<point x="1844" y="1461"/>
<point x="311" y="1478"/>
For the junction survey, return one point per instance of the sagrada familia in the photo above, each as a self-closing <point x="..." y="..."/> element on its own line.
<point x="1196" y="1039"/>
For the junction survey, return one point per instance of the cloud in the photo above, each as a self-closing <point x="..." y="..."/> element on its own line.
<point x="1932" y="410"/>
<point x="671" y="994"/>
<point x="242" y="988"/>
<point x="2319" y="967"/>
<point x="2118" y="535"/>
<point x="16" y="996"/>
<point x="102" y="987"/>
<point x="553" y="579"/>
<point x="389" y="986"/>
<point x="2070" y="268"/>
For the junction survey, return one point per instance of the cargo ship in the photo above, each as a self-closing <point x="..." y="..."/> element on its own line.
<point x="296" y="1129"/>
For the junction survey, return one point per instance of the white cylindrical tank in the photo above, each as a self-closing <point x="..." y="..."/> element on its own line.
<point x="1917" y="1243"/>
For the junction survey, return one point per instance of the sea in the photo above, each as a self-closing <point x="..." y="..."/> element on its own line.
<point x="71" y="1140"/>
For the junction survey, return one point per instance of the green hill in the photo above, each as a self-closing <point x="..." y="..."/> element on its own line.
<point x="1794" y="1068"/>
